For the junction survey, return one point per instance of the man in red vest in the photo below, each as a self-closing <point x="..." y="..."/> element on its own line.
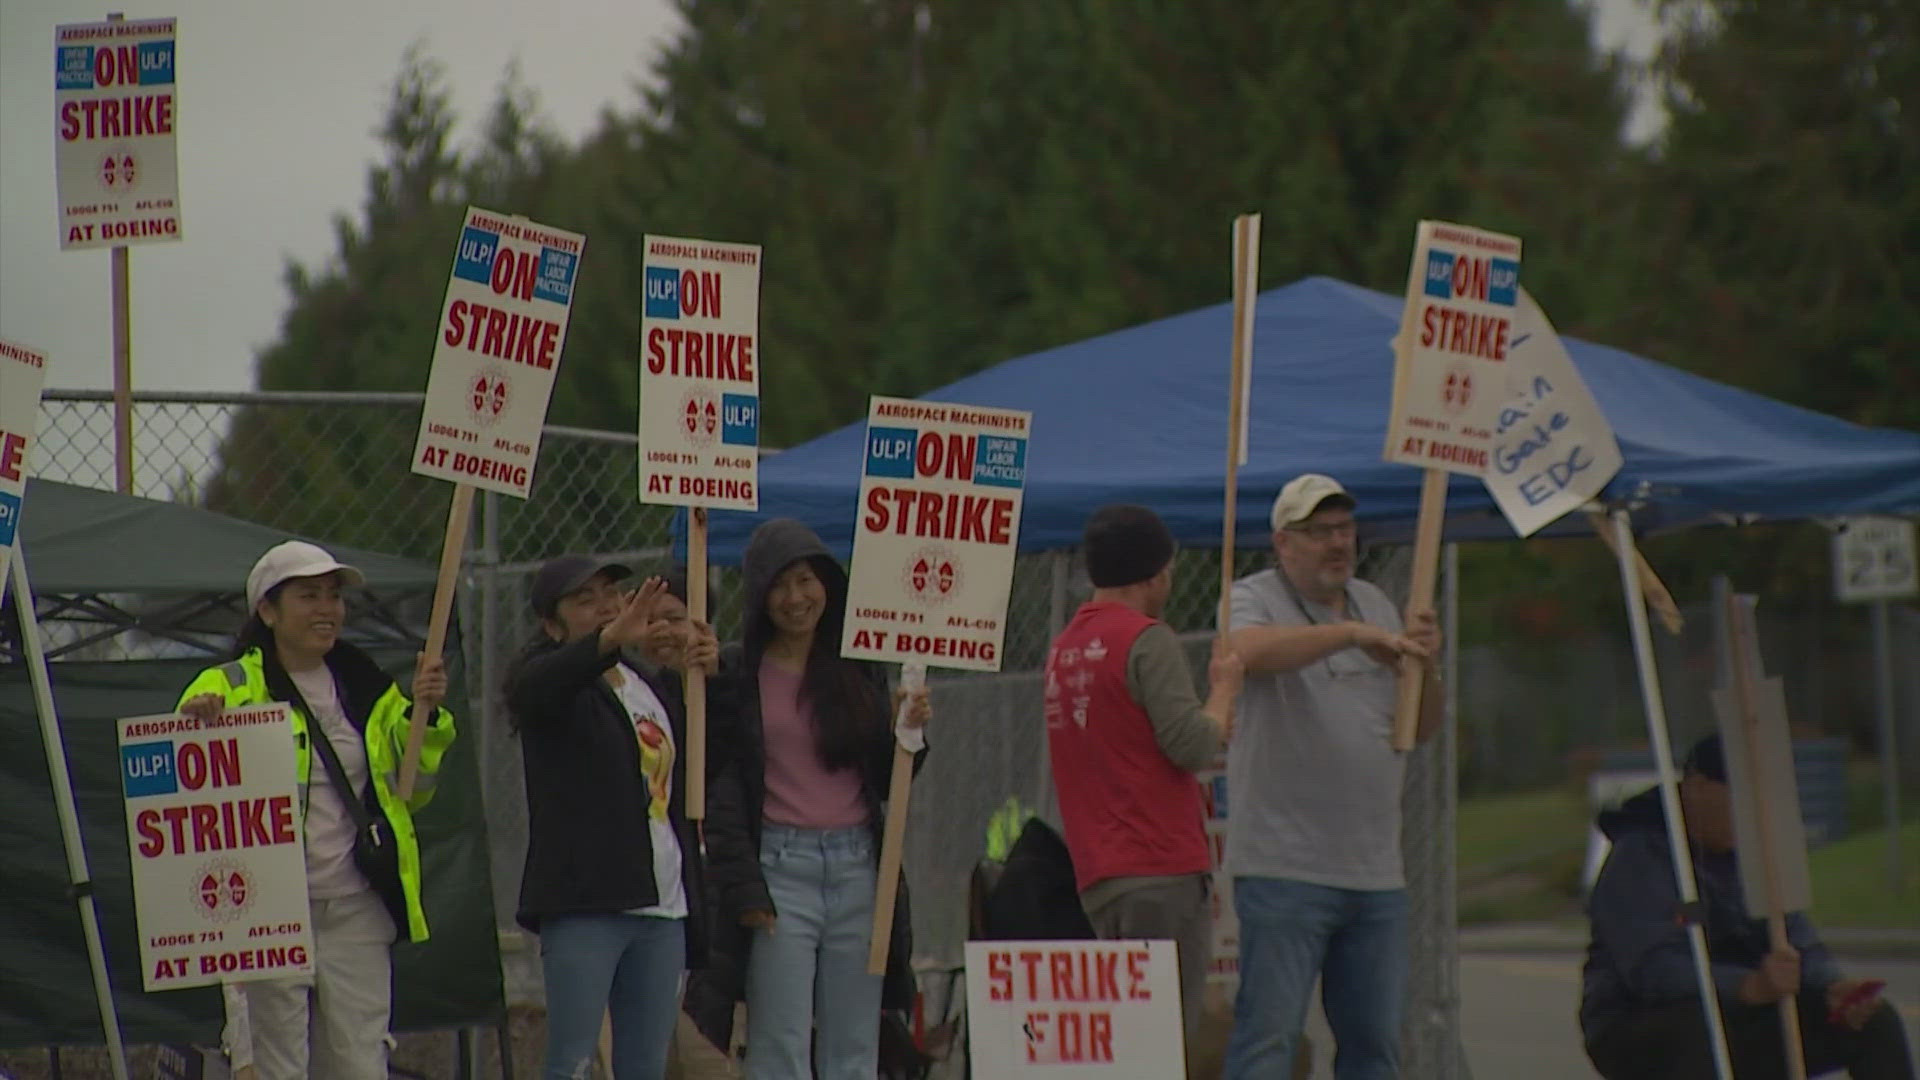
<point x="1126" y="732"/>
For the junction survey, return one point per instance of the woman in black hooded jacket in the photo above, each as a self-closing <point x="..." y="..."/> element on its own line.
<point x="802" y="752"/>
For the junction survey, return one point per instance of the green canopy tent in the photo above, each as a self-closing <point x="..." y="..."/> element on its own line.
<point x="133" y="597"/>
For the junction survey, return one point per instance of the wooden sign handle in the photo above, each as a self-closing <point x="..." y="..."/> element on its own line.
<point x="1426" y="568"/>
<point x="1746" y="693"/>
<point x="893" y="839"/>
<point x="450" y="548"/>
<point x="893" y="844"/>
<point x="1655" y="590"/>
<point x="696" y="680"/>
<point x="1246" y="256"/>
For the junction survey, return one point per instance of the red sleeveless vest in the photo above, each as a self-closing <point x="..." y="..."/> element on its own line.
<point x="1128" y="811"/>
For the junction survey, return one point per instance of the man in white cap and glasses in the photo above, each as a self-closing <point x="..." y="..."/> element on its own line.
<point x="1313" y="842"/>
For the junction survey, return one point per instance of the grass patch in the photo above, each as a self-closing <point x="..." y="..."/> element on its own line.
<point x="1497" y="832"/>
<point x="1850" y="886"/>
<point x="1521" y="854"/>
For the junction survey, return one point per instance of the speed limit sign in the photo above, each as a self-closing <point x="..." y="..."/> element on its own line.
<point x="1873" y="559"/>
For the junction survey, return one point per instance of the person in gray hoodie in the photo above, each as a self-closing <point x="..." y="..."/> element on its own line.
<point x="1640" y="1009"/>
<point x="800" y="750"/>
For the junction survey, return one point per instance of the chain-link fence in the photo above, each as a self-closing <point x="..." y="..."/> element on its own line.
<point x="334" y="467"/>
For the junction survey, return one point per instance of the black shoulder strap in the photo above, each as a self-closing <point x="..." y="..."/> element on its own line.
<point x="317" y="738"/>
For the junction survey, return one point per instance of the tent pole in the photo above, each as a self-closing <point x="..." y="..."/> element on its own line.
<point x="1627" y="556"/>
<point x="80" y="885"/>
<point x="1450" y="809"/>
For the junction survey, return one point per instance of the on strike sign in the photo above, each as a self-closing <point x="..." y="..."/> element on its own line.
<point x="933" y="548"/>
<point x="1449" y="384"/>
<point x="22" y="370"/>
<point x="1074" y="1008"/>
<point x="116" y="169"/>
<point x="219" y="864"/>
<point x="502" y="328"/>
<point x="700" y="374"/>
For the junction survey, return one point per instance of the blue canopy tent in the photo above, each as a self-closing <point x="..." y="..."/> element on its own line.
<point x="1139" y="415"/>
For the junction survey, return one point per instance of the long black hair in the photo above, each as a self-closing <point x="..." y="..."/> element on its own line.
<point x="849" y="711"/>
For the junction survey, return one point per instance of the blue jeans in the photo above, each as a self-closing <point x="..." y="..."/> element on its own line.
<point x="810" y="970"/>
<point x="627" y="966"/>
<point x="1354" y="941"/>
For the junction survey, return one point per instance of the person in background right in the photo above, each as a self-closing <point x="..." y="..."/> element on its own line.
<point x="1313" y="841"/>
<point x="1640" y="1010"/>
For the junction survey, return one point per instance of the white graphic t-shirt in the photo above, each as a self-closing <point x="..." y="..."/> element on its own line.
<point x="654" y="735"/>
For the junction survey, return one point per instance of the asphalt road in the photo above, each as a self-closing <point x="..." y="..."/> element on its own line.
<point x="1518" y="1014"/>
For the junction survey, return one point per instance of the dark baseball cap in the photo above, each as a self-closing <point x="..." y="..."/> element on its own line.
<point x="563" y="575"/>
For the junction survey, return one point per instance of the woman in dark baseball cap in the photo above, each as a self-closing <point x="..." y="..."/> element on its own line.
<point x="613" y="881"/>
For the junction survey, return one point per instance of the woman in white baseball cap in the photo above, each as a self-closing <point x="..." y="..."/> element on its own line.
<point x="349" y="724"/>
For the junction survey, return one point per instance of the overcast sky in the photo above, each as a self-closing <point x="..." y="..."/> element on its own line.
<point x="277" y="105"/>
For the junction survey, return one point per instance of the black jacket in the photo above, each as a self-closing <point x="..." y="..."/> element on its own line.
<point x="1035" y="898"/>
<point x="589" y="848"/>
<point x="1640" y="956"/>
<point x="737" y="792"/>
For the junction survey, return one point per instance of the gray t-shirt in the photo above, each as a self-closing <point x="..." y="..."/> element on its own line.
<point x="1313" y="782"/>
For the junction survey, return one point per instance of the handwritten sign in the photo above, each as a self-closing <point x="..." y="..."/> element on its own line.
<point x="934" y="543"/>
<point x="503" y="326"/>
<point x="1552" y="448"/>
<point x="22" y="371"/>
<point x="1074" y="1008"/>
<point x="1451" y="352"/>
<point x="116" y="168"/>
<point x="219" y="863"/>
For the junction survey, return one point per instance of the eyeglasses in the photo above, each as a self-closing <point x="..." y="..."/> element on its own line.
<point x="1323" y="531"/>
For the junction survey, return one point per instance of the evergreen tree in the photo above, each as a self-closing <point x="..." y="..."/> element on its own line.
<point x="1085" y="175"/>
<point x="1783" y="209"/>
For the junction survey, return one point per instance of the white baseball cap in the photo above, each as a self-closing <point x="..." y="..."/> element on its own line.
<point x="295" y="559"/>
<point x="1302" y="496"/>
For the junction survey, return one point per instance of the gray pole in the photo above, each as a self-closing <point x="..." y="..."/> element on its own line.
<point x="1889" y="751"/>
<point x="1059" y="565"/>
<point x="1657" y="735"/>
<point x="490" y="642"/>
<point x="79" y="881"/>
<point x="1453" y="1064"/>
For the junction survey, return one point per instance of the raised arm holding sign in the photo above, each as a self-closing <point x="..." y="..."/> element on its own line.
<point x="933" y="553"/>
<point x="502" y="329"/>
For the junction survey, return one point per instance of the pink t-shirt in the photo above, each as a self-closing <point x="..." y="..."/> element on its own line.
<point x="801" y="790"/>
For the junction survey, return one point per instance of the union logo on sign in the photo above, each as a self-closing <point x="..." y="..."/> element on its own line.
<point x="700" y="417"/>
<point x="932" y="575"/>
<point x="1457" y="390"/>
<point x="488" y="396"/>
<point x="119" y="171"/>
<point x="223" y="890"/>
